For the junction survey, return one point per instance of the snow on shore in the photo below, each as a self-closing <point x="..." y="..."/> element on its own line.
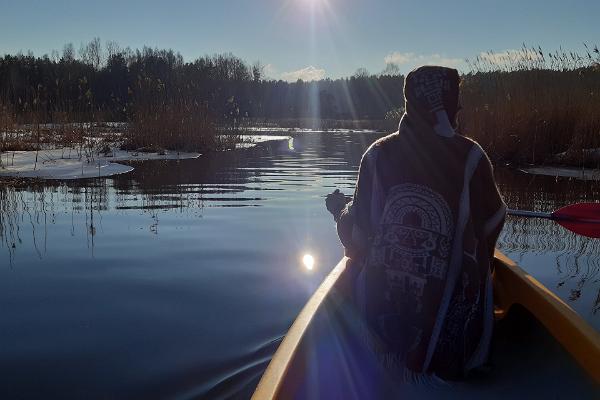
<point x="577" y="173"/>
<point x="68" y="164"/>
<point x="249" y="141"/>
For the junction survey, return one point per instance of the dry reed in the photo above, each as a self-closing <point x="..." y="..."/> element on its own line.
<point x="169" y="126"/>
<point x="534" y="107"/>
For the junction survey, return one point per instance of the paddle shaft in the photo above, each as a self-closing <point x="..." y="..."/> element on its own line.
<point x="581" y="218"/>
<point x="530" y="214"/>
<point x="552" y="216"/>
<point x="579" y="224"/>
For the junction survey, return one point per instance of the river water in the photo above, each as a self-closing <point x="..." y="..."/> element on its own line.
<point x="180" y="279"/>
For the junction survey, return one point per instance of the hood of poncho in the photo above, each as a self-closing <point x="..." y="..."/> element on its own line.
<point x="431" y="100"/>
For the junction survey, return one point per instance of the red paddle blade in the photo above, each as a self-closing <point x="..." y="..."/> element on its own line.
<point x="581" y="218"/>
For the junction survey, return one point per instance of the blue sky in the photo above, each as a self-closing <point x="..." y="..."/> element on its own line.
<point x="306" y="38"/>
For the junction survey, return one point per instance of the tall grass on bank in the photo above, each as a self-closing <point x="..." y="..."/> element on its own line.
<point x="34" y="128"/>
<point x="169" y="126"/>
<point x="528" y="106"/>
<point x="7" y="127"/>
<point x="164" y="117"/>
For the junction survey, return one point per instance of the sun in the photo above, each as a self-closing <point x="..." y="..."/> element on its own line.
<point x="312" y="9"/>
<point x="314" y="3"/>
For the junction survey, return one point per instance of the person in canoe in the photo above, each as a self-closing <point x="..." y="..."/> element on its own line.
<point x="422" y="226"/>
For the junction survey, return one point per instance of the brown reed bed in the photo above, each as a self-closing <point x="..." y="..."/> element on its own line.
<point x="533" y="107"/>
<point x="187" y="126"/>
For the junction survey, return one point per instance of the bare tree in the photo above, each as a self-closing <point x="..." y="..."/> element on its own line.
<point x="95" y="52"/>
<point x="362" y="73"/>
<point x="258" y="71"/>
<point x="92" y="53"/>
<point x="83" y="54"/>
<point x="68" y="54"/>
<point x="54" y="56"/>
<point x="112" y="49"/>
<point x="391" y="69"/>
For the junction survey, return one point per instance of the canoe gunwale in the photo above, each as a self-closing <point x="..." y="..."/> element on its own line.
<point x="271" y="385"/>
<point x="512" y="285"/>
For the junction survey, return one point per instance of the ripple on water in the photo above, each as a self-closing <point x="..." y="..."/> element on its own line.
<point x="181" y="277"/>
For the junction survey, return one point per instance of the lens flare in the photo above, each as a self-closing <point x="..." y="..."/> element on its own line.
<point x="308" y="261"/>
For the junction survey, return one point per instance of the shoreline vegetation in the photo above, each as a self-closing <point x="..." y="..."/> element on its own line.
<point x="525" y="107"/>
<point x="530" y="107"/>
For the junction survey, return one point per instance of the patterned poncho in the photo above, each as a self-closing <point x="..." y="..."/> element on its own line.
<point x="424" y="221"/>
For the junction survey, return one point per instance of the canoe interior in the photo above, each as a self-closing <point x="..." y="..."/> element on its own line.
<point x="327" y="359"/>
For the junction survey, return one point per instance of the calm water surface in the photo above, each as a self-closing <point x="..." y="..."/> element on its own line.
<point x="179" y="279"/>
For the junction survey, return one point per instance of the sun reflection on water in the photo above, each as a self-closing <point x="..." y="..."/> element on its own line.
<point x="308" y="261"/>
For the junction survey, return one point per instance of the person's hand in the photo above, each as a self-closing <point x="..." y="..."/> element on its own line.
<point x="335" y="203"/>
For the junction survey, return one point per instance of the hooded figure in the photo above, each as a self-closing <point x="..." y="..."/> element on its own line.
<point x="423" y="223"/>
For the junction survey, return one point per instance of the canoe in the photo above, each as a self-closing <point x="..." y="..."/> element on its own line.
<point x="541" y="348"/>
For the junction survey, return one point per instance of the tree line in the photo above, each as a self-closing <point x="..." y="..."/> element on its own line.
<point x="523" y="106"/>
<point x="109" y="83"/>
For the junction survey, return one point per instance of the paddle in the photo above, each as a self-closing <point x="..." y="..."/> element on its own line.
<point x="581" y="218"/>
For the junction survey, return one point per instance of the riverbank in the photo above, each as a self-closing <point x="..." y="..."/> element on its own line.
<point x="67" y="163"/>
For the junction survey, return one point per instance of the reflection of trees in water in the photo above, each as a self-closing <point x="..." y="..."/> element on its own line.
<point x="328" y="152"/>
<point x="576" y="258"/>
<point x="33" y="205"/>
<point x="218" y="179"/>
<point x="10" y="233"/>
<point x="155" y="187"/>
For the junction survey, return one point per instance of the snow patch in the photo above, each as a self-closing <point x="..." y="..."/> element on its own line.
<point x="69" y="164"/>
<point x="256" y="139"/>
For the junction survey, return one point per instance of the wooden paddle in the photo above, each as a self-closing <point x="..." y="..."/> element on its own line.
<point x="581" y="218"/>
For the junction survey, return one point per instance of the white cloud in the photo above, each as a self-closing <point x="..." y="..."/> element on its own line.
<point x="269" y="71"/>
<point x="445" y="61"/>
<point x="399" y="58"/>
<point x="309" y="73"/>
<point x="407" y="61"/>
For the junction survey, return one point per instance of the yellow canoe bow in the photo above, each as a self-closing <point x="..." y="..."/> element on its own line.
<point x="513" y="289"/>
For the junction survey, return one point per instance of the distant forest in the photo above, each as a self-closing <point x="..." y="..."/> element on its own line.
<point x="522" y="106"/>
<point x="109" y="83"/>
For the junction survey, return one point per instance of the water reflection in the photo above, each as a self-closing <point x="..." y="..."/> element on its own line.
<point x="308" y="261"/>
<point x="181" y="186"/>
<point x="180" y="278"/>
<point x="34" y="207"/>
<point x="567" y="263"/>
